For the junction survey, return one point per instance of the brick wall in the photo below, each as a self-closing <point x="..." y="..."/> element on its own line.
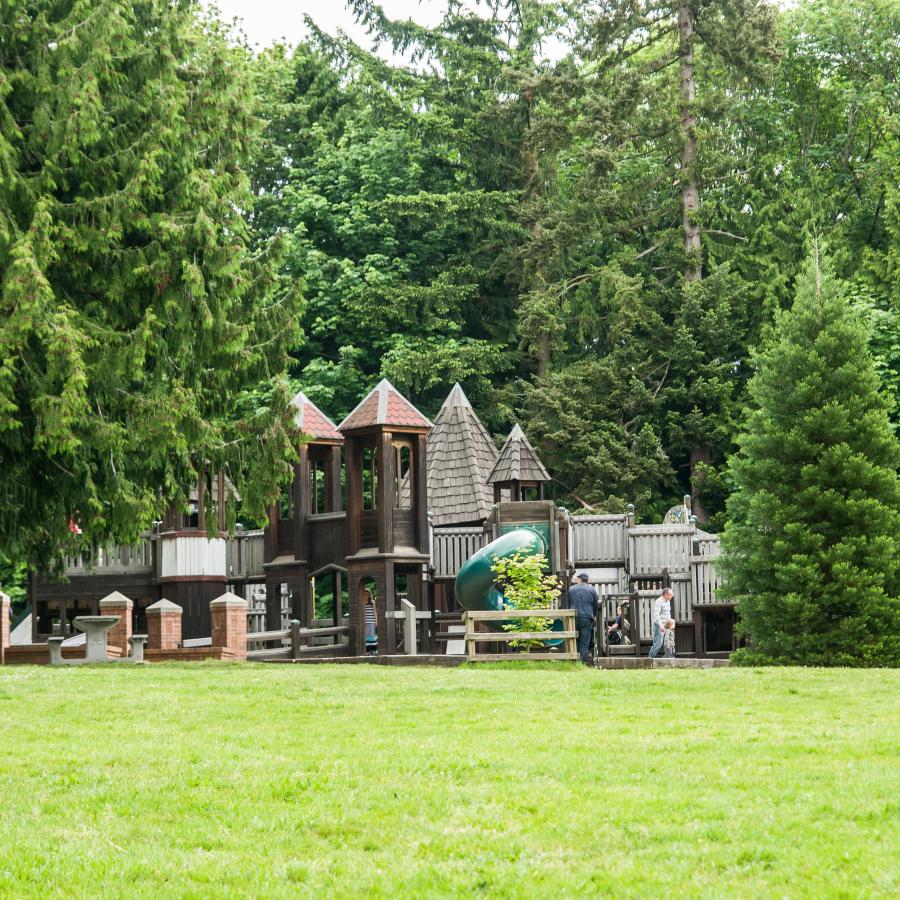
<point x="117" y="604"/>
<point x="163" y="626"/>
<point x="4" y="624"/>
<point x="228" y="615"/>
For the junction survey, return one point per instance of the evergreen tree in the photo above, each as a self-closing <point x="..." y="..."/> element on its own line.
<point x="812" y="548"/>
<point x="135" y="322"/>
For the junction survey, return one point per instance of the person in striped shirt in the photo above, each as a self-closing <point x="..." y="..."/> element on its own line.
<point x="371" y="623"/>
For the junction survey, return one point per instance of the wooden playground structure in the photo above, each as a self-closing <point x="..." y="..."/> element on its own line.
<point x="393" y="504"/>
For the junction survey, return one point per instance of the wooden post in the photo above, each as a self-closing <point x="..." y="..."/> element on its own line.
<point x="409" y="627"/>
<point x="389" y="644"/>
<point x="201" y="500"/>
<point x="420" y="497"/>
<point x="301" y="505"/>
<point x="354" y="495"/>
<point x="333" y="480"/>
<point x="338" y="594"/>
<point x="220" y="490"/>
<point x="270" y="535"/>
<point x="569" y="625"/>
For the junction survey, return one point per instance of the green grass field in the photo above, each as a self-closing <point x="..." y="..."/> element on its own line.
<point x="255" y="780"/>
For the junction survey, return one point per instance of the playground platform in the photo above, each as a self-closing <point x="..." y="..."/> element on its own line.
<point x="402" y="659"/>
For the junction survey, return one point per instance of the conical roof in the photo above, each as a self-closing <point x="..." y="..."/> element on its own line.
<point x="312" y="421"/>
<point x="460" y="456"/>
<point x="384" y="405"/>
<point x="518" y="461"/>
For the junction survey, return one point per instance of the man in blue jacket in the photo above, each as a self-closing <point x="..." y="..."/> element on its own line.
<point x="583" y="599"/>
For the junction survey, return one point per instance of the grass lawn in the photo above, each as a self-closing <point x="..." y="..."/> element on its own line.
<point x="254" y="780"/>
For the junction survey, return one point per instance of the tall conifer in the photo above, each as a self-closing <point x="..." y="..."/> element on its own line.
<point x="133" y="316"/>
<point x="813" y="542"/>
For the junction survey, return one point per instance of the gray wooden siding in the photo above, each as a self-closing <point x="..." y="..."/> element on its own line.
<point x="598" y="539"/>
<point x="451" y="547"/>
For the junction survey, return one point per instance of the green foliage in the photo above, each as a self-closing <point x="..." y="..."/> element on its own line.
<point x="523" y="581"/>
<point x="374" y="180"/>
<point x="813" y="542"/>
<point x="491" y="216"/>
<point x="135" y="322"/>
<point x="14" y="582"/>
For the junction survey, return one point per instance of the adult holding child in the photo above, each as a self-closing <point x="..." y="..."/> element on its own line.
<point x="662" y="614"/>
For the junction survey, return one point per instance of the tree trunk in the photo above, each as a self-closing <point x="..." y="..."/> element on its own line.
<point x="690" y="187"/>
<point x="699" y="455"/>
<point x="690" y="196"/>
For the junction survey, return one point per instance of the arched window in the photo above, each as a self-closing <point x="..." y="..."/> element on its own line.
<point x="370" y="477"/>
<point x="403" y="475"/>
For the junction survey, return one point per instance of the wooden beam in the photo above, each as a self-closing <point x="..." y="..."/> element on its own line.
<point x="301" y="505"/>
<point x="333" y="480"/>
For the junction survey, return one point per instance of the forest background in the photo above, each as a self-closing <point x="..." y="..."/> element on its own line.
<point x="593" y="245"/>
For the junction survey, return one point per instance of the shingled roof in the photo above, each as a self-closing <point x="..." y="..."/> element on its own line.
<point x="518" y="461"/>
<point x="312" y="421"/>
<point x="384" y="405"/>
<point x="460" y="455"/>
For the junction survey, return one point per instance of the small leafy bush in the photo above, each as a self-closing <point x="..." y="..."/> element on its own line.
<point x="525" y="585"/>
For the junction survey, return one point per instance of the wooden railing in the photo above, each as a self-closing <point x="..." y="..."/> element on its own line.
<point x="653" y="548"/>
<point x="705" y="581"/>
<point x="707" y="545"/>
<point x="473" y="637"/>
<point x="599" y="539"/>
<point x="113" y="559"/>
<point x="299" y="639"/>
<point x="244" y="555"/>
<point x="451" y="547"/>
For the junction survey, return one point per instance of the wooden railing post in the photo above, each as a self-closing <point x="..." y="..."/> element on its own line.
<point x="473" y="636"/>
<point x="409" y="626"/>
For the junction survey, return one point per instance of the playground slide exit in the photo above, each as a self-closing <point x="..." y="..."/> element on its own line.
<point x="474" y="587"/>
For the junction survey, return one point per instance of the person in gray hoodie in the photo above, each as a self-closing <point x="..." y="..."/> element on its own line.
<point x="583" y="599"/>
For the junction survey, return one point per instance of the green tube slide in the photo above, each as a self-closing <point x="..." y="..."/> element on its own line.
<point x="475" y="581"/>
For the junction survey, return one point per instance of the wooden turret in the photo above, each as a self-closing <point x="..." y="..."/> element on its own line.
<point x="387" y="507"/>
<point x="314" y="491"/>
<point x="518" y="469"/>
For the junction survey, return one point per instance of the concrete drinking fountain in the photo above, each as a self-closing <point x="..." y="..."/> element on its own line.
<point x="95" y="629"/>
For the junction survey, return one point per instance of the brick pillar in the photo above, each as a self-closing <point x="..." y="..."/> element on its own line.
<point x="228" y="614"/>
<point x="116" y="604"/>
<point x="163" y="625"/>
<point x="4" y="626"/>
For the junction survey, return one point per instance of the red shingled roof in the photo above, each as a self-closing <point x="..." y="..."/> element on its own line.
<point x="385" y="405"/>
<point x="312" y="421"/>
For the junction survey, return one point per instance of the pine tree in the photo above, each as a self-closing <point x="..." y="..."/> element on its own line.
<point x="813" y="542"/>
<point x="135" y="322"/>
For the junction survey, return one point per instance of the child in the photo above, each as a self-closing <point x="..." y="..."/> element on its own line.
<point x="371" y="620"/>
<point x="669" y="639"/>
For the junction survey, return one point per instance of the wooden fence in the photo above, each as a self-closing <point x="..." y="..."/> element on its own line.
<point x="599" y="540"/>
<point x="473" y="637"/>
<point x="295" y="641"/>
<point x="118" y="559"/>
<point x="705" y="581"/>
<point x="451" y="547"/>
<point x="244" y="555"/>
<point x="653" y="548"/>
